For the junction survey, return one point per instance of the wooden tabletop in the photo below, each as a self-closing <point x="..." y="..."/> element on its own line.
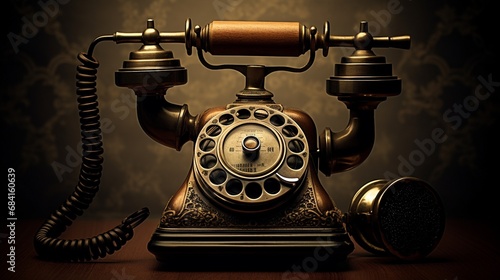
<point x="468" y="250"/>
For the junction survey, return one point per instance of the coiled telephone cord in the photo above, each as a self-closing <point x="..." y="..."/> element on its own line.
<point x="46" y="241"/>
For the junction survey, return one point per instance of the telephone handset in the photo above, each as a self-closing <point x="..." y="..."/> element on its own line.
<point x="253" y="186"/>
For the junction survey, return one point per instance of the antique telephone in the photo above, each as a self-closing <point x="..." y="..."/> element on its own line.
<point x="253" y="187"/>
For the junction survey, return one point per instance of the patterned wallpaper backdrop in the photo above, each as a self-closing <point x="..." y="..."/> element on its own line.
<point x="449" y="85"/>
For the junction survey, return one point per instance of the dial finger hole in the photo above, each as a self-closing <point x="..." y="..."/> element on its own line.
<point x="207" y="145"/>
<point x="218" y="176"/>
<point x="261" y="114"/>
<point x="213" y="130"/>
<point x="277" y="120"/>
<point x="234" y="187"/>
<point x="253" y="190"/>
<point x="272" y="186"/>
<point x="290" y="131"/>
<point x="295" y="162"/>
<point x="243" y="114"/>
<point x="208" y="161"/>
<point x="226" y="119"/>
<point x="296" y="146"/>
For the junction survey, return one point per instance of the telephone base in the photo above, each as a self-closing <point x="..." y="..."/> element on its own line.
<point x="229" y="248"/>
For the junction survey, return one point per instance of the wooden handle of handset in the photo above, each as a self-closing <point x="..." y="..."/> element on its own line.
<point x="255" y="38"/>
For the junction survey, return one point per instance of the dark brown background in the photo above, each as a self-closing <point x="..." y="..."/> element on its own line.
<point x="451" y="48"/>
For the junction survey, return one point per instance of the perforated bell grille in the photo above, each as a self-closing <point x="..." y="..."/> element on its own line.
<point x="411" y="219"/>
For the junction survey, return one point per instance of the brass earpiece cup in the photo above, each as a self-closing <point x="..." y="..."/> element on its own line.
<point x="403" y="217"/>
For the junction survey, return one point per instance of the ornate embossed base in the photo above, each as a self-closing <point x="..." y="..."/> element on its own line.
<point x="195" y="231"/>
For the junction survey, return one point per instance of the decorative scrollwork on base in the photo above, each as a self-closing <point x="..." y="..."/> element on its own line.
<point x="302" y="213"/>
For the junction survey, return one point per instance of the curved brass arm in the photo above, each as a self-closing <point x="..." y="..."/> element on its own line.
<point x="167" y="123"/>
<point x="362" y="80"/>
<point x="344" y="150"/>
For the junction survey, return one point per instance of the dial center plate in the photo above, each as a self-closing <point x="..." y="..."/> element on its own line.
<point x="261" y="161"/>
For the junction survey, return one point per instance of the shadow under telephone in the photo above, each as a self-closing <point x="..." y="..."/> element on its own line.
<point x="253" y="187"/>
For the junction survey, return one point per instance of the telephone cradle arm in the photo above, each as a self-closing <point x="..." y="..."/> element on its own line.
<point x="150" y="72"/>
<point x="361" y="80"/>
